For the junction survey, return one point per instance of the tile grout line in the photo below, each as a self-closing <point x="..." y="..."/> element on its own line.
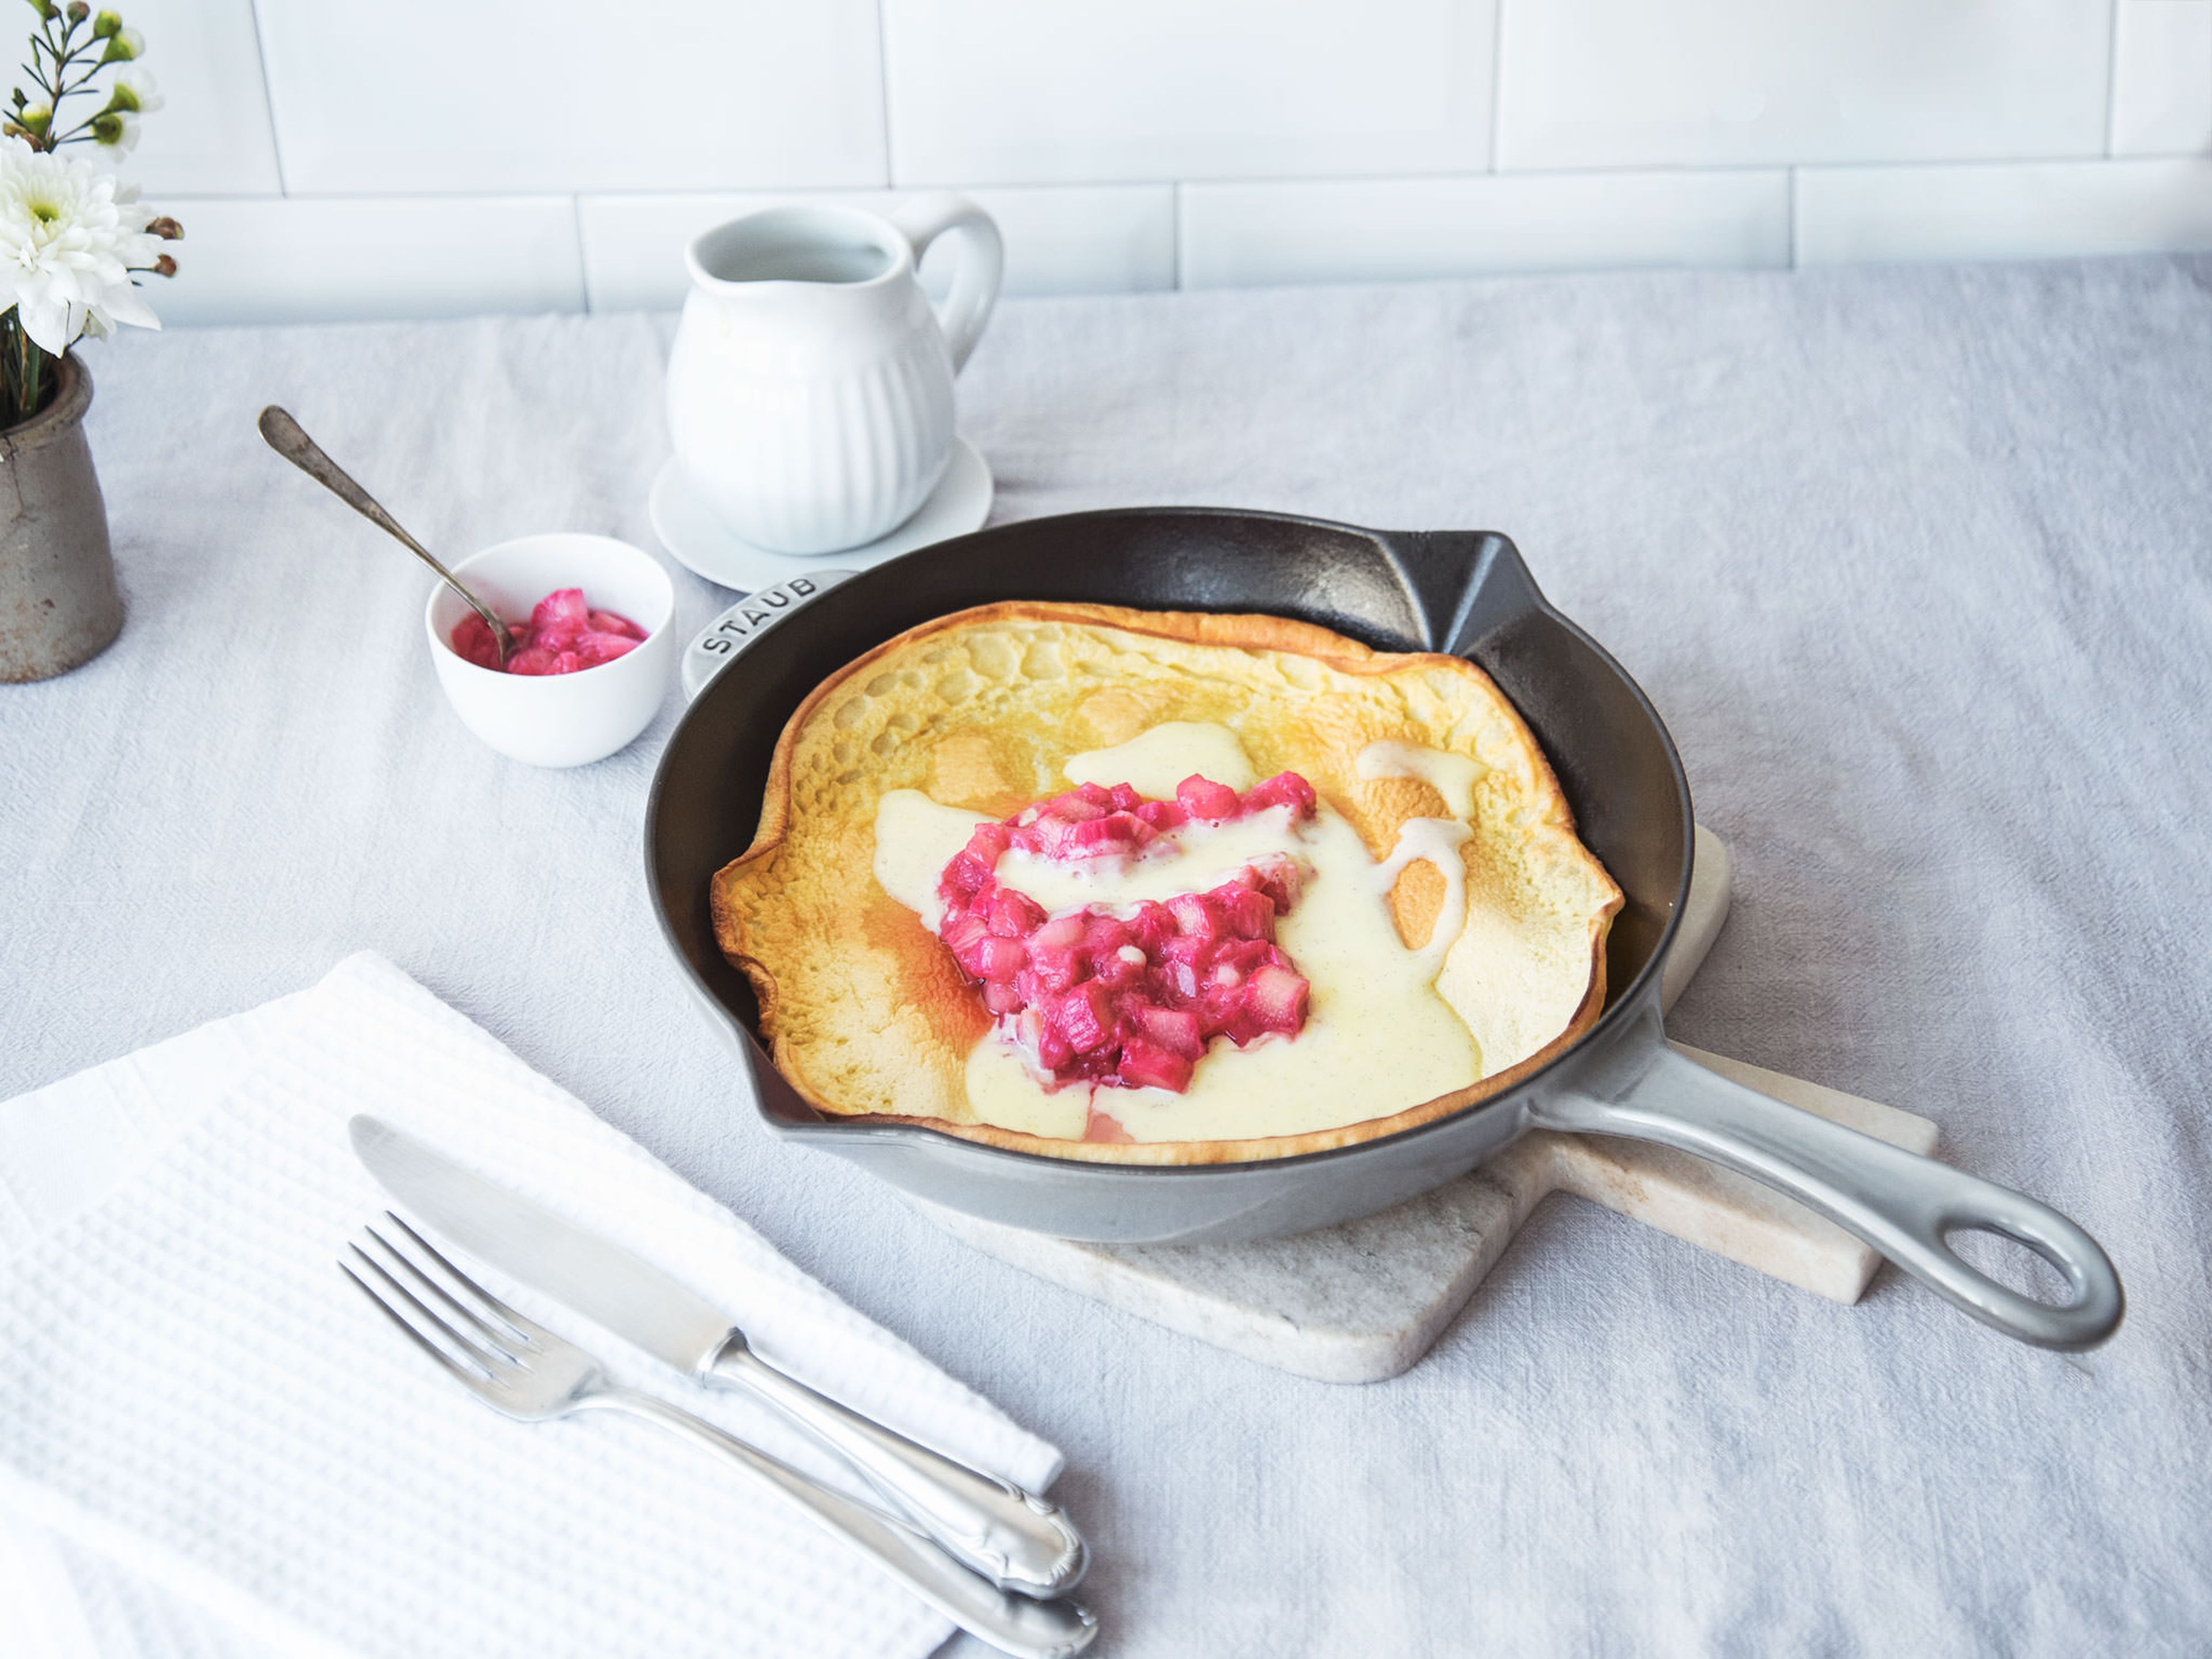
<point x="2112" y="82"/>
<point x="268" y="95"/>
<point x="884" y="94"/>
<point x="1496" y="82"/>
<point x="1177" y="187"/>
<point x="1175" y="233"/>
<point x="583" y="264"/>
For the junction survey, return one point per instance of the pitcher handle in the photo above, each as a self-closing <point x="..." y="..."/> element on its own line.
<point x="982" y="258"/>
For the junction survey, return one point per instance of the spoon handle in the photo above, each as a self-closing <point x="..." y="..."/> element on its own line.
<point x="289" y="439"/>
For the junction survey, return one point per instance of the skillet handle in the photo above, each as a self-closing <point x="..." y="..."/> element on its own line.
<point x="1903" y="1204"/>
<point x="715" y="647"/>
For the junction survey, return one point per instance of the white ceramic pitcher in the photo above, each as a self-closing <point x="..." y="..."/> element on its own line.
<point x="810" y="394"/>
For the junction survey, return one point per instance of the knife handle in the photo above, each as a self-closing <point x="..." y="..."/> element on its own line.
<point x="1019" y="1541"/>
<point x="1014" y="1624"/>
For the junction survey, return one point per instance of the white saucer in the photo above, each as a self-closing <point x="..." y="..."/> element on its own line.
<point x="688" y="528"/>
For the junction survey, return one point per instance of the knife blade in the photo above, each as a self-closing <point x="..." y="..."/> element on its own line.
<point x="599" y="1279"/>
<point x="1021" y="1542"/>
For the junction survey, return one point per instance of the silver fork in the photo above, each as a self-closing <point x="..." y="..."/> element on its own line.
<point x="520" y="1368"/>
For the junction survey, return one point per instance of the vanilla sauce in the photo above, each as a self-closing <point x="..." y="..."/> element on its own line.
<point x="1377" y="1038"/>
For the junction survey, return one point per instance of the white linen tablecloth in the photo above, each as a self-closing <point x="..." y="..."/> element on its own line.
<point x="1914" y="562"/>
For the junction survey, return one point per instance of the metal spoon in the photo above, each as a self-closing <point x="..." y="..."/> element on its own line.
<point x="287" y="439"/>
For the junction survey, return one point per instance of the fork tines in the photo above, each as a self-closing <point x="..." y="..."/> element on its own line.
<point x="475" y="1341"/>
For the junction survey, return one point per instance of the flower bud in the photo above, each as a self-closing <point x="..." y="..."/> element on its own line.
<point x="36" y="119"/>
<point x="134" y="93"/>
<point x="78" y="11"/>
<point x="46" y="9"/>
<point x="166" y="228"/>
<point x="165" y="266"/>
<point x="122" y="45"/>
<point x="105" y="24"/>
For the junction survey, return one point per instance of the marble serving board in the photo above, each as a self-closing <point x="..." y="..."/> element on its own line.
<point x="1364" y="1301"/>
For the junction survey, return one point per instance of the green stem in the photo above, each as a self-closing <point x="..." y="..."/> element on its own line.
<point x="23" y="378"/>
<point x="65" y="56"/>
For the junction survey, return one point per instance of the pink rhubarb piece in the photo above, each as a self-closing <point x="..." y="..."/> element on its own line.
<point x="563" y="636"/>
<point x="1129" y="1001"/>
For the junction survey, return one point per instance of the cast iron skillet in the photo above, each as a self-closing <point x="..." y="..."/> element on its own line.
<point x="1465" y="592"/>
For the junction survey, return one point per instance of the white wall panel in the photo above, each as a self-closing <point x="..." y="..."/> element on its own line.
<point x="1368" y="230"/>
<point x="426" y="157"/>
<point x="275" y="261"/>
<point x="2046" y="210"/>
<point x="1077" y="240"/>
<point x="1731" y="82"/>
<point x="2162" y="77"/>
<point x="1040" y="91"/>
<point x="432" y="97"/>
<point x="212" y="137"/>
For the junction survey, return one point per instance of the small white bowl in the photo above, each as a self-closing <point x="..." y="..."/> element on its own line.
<point x="558" y="719"/>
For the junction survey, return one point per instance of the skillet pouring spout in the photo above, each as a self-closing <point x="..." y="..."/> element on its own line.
<point x="1905" y="1205"/>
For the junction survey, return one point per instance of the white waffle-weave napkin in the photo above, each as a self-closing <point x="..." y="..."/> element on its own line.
<point x="196" y="1394"/>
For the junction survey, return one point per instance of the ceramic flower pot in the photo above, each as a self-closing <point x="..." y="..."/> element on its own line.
<point x="59" y="605"/>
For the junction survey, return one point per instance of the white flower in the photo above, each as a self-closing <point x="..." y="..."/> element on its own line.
<point x="114" y="135"/>
<point x="136" y="90"/>
<point x="69" y="237"/>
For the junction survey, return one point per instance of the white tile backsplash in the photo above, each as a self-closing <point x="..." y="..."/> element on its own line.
<point x="1622" y="84"/>
<point x="270" y="260"/>
<point x="1076" y="240"/>
<point x="1041" y="91"/>
<point x="2162" y="77"/>
<point x="1365" y="230"/>
<point x="1997" y="210"/>
<point x="418" y="157"/>
<point x="211" y="136"/>
<point x="430" y="97"/>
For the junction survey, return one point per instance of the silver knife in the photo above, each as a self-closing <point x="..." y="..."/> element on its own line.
<point x="1019" y="1541"/>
